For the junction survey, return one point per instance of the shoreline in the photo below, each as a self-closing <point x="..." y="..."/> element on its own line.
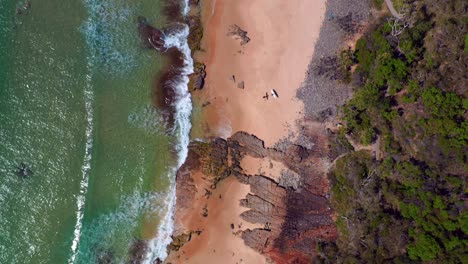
<point x="286" y="144"/>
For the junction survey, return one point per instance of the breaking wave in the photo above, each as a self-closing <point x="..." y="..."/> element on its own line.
<point x="183" y="109"/>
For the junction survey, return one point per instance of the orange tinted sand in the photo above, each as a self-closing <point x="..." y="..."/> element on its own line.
<point x="218" y="242"/>
<point x="283" y="35"/>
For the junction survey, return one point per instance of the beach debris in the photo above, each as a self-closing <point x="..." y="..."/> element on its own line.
<point x="265" y="96"/>
<point x="23" y="170"/>
<point x="236" y="32"/>
<point x="240" y="85"/>
<point x="274" y="93"/>
<point x="233" y="78"/>
<point x="232" y="226"/>
<point x="205" y="104"/>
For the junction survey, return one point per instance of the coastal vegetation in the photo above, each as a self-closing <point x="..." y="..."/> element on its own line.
<point x="410" y="101"/>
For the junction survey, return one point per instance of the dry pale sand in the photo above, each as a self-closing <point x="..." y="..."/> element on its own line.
<point x="264" y="166"/>
<point x="218" y="242"/>
<point x="283" y="34"/>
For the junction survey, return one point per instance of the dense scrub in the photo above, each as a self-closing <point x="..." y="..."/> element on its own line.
<point x="411" y="84"/>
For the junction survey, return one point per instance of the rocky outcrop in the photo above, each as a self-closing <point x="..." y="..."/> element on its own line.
<point x="197" y="79"/>
<point x="211" y="159"/>
<point x="137" y="251"/>
<point x="292" y="211"/>
<point x="179" y="241"/>
<point x="152" y="38"/>
<point x="236" y="32"/>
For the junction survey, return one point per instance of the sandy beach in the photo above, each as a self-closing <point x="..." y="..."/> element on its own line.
<point x="282" y="37"/>
<point x="239" y="78"/>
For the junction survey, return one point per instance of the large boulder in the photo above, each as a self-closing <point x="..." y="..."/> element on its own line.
<point x="152" y="37"/>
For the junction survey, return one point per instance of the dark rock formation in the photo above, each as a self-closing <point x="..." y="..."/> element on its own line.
<point x="350" y="24"/>
<point x="137" y="251"/>
<point x="179" y="241"/>
<point x="152" y="38"/>
<point x="104" y="256"/>
<point x="237" y="32"/>
<point x="23" y="171"/>
<point x="294" y="215"/>
<point x="240" y="85"/>
<point x="197" y="79"/>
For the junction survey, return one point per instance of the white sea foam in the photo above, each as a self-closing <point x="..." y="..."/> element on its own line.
<point x="81" y="198"/>
<point x="183" y="110"/>
<point x="186" y="8"/>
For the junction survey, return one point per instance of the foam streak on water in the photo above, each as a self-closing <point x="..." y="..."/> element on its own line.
<point x="183" y="110"/>
<point x="80" y="201"/>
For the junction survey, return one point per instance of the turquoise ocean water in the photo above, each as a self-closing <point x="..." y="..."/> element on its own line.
<point x="86" y="163"/>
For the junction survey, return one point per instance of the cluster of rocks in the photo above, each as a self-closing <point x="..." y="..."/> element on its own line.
<point x="23" y="171"/>
<point x="292" y="211"/>
<point x="322" y="87"/>
<point x="151" y="37"/>
<point x="197" y="79"/>
<point x="235" y="31"/>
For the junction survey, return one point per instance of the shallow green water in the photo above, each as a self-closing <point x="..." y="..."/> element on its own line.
<point x="56" y="59"/>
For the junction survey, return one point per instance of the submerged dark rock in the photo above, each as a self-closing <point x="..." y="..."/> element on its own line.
<point x="165" y="86"/>
<point x="197" y="79"/>
<point x="23" y="170"/>
<point x="152" y="37"/>
<point x="137" y="251"/>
